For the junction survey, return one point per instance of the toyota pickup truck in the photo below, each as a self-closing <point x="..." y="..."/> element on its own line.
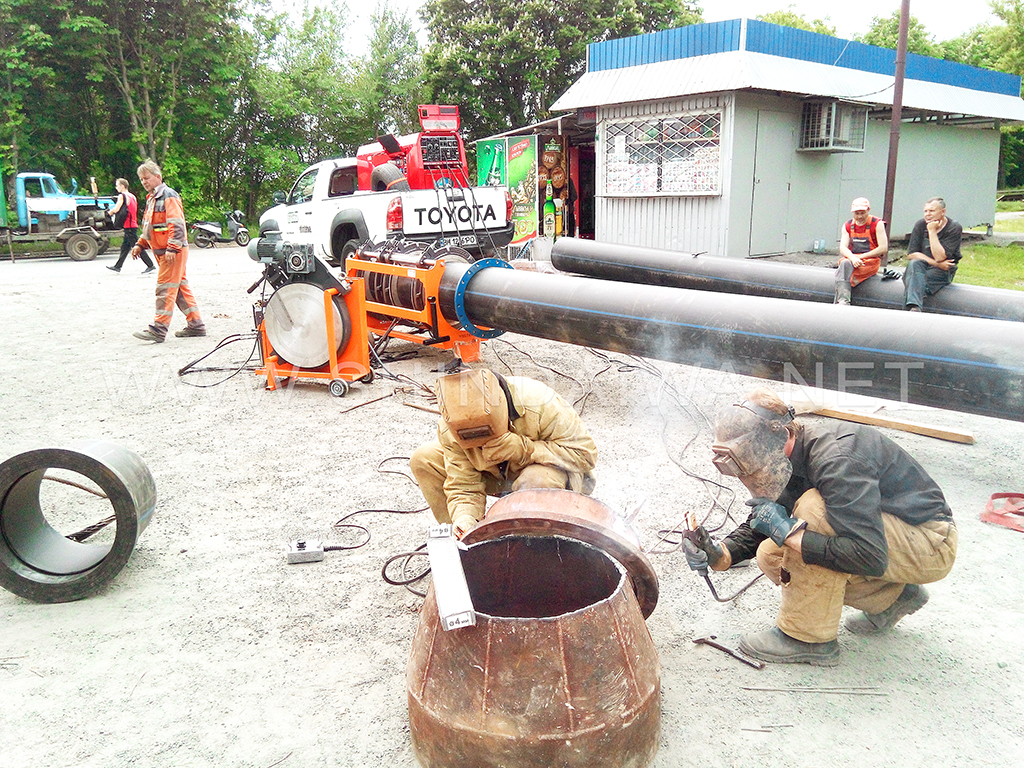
<point x="413" y="187"/>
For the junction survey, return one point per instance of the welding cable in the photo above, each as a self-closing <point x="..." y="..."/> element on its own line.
<point x="190" y="367"/>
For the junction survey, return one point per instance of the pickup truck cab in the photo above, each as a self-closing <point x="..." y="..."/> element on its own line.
<point x="413" y="187"/>
<point x="325" y="207"/>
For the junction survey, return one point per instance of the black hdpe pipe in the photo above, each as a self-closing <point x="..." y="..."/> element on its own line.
<point x="955" y="363"/>
<point x="635" y="264"/>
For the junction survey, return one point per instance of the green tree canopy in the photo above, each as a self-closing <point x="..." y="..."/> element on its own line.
<point x="505" y="63"/>
<point x="789" y="18"/>
<point x="884" y="32"/>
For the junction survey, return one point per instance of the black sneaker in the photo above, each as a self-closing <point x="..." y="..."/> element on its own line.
<point x="776" y="647"/>
<point x="114" y="269"/>
<point x="146" y="271"/>
<point x="911" y="599"/>
<point x="185" y="332"/>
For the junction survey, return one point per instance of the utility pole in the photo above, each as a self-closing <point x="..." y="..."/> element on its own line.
<point x="897" y="117"/>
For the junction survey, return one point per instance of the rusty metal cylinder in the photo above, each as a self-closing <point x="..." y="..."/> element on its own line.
<point x="560" y="669"/>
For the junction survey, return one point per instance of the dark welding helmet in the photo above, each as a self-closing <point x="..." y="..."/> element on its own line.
<point x="473" y="406"/>
<point x="750" y="443"/>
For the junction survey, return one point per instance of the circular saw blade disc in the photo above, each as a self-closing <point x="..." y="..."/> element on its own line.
<point x="294" y="321"/>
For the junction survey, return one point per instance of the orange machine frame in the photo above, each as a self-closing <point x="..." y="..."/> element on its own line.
<point x="466" y="346"/>
<point x="353" y="362"/>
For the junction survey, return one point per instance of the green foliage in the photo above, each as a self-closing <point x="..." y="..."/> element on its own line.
<point x="506" y="63"/>
<point x="1008" y="39"/>
<point x="884" y="32"/>
<point x="975" y="47"/>
<point x="1011" y="157"/>
<point x="991" y="265"/>
<point x="789" y="18"/>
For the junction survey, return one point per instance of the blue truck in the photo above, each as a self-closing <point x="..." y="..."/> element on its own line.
<point x="46" y="213"/>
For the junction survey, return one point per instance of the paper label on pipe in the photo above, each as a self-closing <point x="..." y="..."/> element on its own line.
<point x="454" y="603"/>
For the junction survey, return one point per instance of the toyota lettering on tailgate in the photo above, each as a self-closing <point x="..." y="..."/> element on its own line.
<point x="455" y="215"/>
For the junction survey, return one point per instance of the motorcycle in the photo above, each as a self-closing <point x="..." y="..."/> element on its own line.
<point x="206" y="233"/>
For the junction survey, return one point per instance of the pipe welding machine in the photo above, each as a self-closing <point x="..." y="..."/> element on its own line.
<point x="316" y="325"/>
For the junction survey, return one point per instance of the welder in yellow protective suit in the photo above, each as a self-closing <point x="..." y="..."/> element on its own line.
<point x="497" y="435"/>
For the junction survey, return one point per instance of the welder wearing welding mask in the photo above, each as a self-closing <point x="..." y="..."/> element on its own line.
<point x="841" y="515"/>
<point x="497" y="435"/>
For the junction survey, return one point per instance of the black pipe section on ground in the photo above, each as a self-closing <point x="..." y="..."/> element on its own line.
<point x="635" y="264"/>
<point x="955" y="363"/>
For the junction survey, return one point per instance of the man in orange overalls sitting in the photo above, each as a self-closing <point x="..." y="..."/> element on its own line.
<point x="861" y="249"/>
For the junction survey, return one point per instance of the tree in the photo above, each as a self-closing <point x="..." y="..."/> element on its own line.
<point x="23" y="46"/>
<point x="975" y="47"/>
<point x="885" y="33"/>
<point x="1008" y="40"/>
<point x="389" y="80"/>
<point x="789" y="18"/>
<point x="505" y="63"/>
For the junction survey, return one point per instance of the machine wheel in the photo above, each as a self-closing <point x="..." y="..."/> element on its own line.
<point x="367" y="379"/>
<point x="348" y="249"/>
<point x="242" y="237"/>
<point x="103" y="245"/>
<point x="338" y="387"/>
<point x="81" y="247"/>
<point x="203" y="240"/>
<point x="388" y="177"/>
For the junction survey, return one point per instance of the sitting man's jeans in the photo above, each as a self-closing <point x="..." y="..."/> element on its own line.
<point x="921" y="279"/>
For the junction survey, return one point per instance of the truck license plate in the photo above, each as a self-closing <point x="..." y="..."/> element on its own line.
<point x="460" y="240"/>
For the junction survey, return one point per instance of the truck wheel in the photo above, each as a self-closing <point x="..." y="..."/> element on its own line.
<point x="81" y="247"/>
<point x="388" y="177"/>
<point x="242" y="237"/>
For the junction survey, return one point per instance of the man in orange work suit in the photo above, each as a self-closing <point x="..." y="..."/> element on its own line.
<point x="163" y="231"/>
<point x="861" y="249"/>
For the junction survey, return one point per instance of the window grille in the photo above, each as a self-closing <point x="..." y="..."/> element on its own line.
<point x="676" y="155"/>
<point x="833" y="126"/>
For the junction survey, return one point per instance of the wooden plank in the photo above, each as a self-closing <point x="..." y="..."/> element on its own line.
<point x="917" y="428"/>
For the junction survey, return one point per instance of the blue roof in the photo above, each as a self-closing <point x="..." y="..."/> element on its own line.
<point x="775" y="40"/>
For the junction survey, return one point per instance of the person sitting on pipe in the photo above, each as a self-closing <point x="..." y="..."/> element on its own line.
<point x="840" y="515"/>
<point x="497" y="435"/>
<point x="862" y="247"/>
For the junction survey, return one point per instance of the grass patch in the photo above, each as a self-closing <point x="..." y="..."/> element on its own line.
<point x="993" y="266"/>
<point x="1009" y="206"/>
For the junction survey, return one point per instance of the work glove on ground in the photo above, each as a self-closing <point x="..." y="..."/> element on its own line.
<point x="509" y="447"/>
<point x="773" y="520"/>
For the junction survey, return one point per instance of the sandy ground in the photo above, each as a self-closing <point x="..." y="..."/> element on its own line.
<point x="208" y="649"/>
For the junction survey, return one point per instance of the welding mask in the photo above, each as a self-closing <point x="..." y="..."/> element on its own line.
<point x="750" y="443"/>
<point x="473" y="406"/>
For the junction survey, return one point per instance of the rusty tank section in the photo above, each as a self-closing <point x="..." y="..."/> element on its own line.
<point x="560" y="669"/>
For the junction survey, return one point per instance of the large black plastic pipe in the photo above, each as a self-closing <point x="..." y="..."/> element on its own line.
<point x="634" y="264"/>
<point x="955" y="363"/>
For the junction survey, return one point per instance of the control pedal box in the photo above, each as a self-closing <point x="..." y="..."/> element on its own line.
<point x="305" y="551"/>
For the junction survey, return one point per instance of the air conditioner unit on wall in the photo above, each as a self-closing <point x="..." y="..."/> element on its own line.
<point x="833" y="126"/>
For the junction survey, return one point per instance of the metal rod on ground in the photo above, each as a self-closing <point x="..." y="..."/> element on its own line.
<point x="958" y="363"/>
<point x="754" y="277"/>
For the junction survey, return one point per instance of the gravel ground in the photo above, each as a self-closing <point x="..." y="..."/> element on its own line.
<point x="208" y="649"/>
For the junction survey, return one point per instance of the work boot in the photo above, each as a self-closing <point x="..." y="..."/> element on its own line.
<point x="149" y="334"/>
<point x="775" y="646"/>
<point x="185" y="332"/>
<point x="911" y="599"/>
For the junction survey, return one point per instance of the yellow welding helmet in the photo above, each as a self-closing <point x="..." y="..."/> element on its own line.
<point x="473" y="406"/>
<point x="750" y="443"/>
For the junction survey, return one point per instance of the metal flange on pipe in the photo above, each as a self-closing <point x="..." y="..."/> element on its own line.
<point x="42" y="564"/>
<point x="963" y="364"/>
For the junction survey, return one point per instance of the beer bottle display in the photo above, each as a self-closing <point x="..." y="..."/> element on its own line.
<point x="549" y="212"/>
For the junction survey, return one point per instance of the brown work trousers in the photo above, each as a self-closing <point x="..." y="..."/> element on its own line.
<point x="172" y="290"/>
<point x="427" y="465"/>
<point x="813" y="596"/>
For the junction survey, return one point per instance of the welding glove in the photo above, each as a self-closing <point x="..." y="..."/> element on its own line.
<point x="697" y="559"/>
<point x="773" y="520"/>
<point x="461" y="524"/>
<point x="509" y="447"/>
